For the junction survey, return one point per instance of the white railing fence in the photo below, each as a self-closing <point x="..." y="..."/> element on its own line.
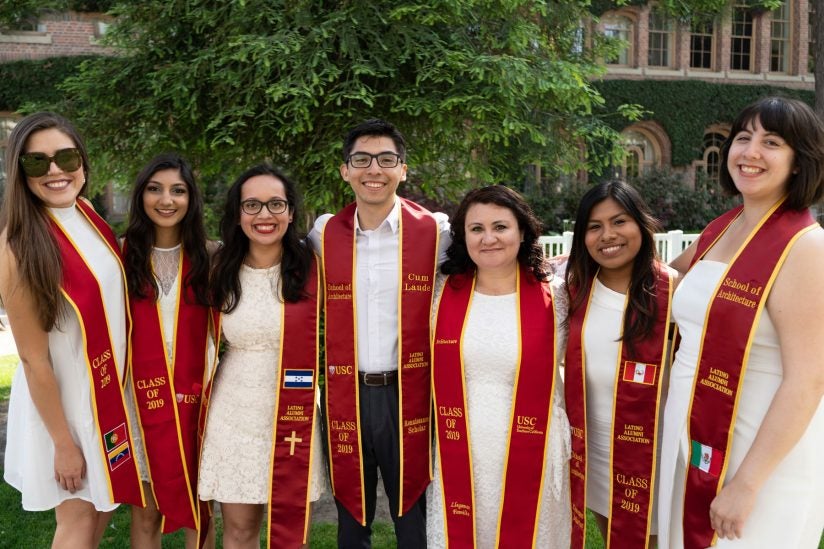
<point x="669" y="244"/>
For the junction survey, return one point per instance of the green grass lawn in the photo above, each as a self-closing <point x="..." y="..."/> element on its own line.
<point x="7" y="365"/>
<point x="19" y="528"/>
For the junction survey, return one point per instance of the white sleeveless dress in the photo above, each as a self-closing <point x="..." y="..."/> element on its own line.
<point x="29" y="462"/>
<point x="601" y="333"/>
<point x="234" y="463"/>
<point x="490" y="348"/>
<point x="789" y="509"/>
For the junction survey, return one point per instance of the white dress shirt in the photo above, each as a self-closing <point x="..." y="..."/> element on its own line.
<point x="376" y="286"/>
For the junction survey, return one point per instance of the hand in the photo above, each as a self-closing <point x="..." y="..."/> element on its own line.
<point x="69" y="467"/>
<point x="730" y="509"/>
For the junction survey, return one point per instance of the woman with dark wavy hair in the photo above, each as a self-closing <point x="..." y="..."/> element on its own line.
<point x="261" y="445"/>
<point x="616" y="355"/>
<point x="744" y="423"/>
<point x="167" y="269"/>
<point x="499" y="409"/>
<point x="62" y="284"/>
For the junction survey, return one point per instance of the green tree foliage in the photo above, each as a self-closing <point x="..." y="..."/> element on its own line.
<point x="675" y="204"/>
<point x="34" y="81"/>
<point x="480" y="88"/>
<point x="685" y="9"/>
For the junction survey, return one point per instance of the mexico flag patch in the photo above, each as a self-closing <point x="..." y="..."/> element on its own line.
<point x="706" y="458"/>
<point x="638" y="372"/>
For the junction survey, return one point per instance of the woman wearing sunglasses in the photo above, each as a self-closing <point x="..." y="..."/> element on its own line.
<point x="261" y="443"/>
<point x="61" y="281"/>
<point x="167" y="268"/>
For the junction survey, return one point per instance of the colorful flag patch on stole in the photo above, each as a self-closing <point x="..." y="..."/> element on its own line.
<point x="638" y="372"/>
<point x="116" y="437"/>
<point x="119" y="456"/>
<point x="298" y="379"/>
<point x="706" y="458"/>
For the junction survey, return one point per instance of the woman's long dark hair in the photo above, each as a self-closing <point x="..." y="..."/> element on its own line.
<point x="24" y="220"/>
<point x="642" y="310"/>
<point x="140" y="234"/>
<point x="294" y="264"/>
<point x="530" y="252"/>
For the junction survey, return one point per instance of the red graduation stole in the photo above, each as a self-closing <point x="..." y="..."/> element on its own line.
<point x="418" y="250"/>
<point x="292" y="452"/>
<point x="168" y="399"/>
<point x="635" y="418"/>
<point x="729" y="329"/>
<point x="532" y="396"/>
<point x="82" y="290"/>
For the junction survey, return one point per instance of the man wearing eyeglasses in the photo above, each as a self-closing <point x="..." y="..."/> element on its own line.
<point x="380" y="255"/>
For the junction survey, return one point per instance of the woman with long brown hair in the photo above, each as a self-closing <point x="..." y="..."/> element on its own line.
<point x="62" y="284"/>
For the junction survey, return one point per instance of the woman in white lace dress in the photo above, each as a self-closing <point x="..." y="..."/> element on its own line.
<point x="263" y="283"/>
<point x="501" y="462"/>
<point x="167" y="268"/>
<point x="614" y="368"/>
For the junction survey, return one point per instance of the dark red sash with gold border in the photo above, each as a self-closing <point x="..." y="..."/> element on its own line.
<point x="532" y="395"/>
<point x="418" y="244"/>
<point x="82" y="290"/>
<point x="292" y="451"/>
<point x="731" y="321"/>
<point x="168" y="399"/>
<point x="635" y="419"/>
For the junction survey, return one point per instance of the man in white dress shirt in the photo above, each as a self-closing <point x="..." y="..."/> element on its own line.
<point x="380" y="256"/>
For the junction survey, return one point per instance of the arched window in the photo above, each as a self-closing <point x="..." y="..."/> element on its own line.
<point x="642" y="153"/>
<point x="712" y="153"/>
<point x="620" y="28"/>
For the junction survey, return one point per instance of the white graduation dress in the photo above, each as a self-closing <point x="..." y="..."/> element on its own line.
<point x="601" y="333"/>
<point x="29" y="462"/>
<point x="789" y="509"/>
<point x="490" y="348"/>
<point x="237" y="446"/>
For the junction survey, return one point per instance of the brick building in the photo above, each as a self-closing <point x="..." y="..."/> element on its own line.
<point x="55" y="35"/>
<point x="743" y="46"/>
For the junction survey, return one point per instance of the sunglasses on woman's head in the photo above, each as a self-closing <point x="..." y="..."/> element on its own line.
<point x="37" y="164"/>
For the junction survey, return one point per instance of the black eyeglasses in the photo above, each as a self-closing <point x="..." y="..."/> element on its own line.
<point x="37" y="164"/>
<point x="364" y="160"/>
<point x="253" y="207"/>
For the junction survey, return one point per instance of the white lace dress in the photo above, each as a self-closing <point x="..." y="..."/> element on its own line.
<point x="490" y="350"/>
<point x="165" y="263"/>
<point x="237" y="446"/>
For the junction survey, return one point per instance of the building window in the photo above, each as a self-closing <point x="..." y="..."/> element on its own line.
<point x="641" y="154"/>
<point x="619" y="28"/>
<point x="780" y="39"/>
<point x="6" y="126"/>
<point x="741" y="38"/>
<point x="712" y="153"/>
<point x="811" y="34"/>
<point x="660" y="40"/>
<point x="701" y="42"/>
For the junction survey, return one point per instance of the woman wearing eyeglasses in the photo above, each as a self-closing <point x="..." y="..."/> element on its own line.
<point x="62" y="284"/>
<point x="261" y="442"/>
<point x="167" y="268"/>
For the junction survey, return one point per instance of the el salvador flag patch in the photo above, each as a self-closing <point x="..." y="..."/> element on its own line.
<point x="298" y="379"/>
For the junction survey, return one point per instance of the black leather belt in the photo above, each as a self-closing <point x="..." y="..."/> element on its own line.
<point x="378" y="379"/>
